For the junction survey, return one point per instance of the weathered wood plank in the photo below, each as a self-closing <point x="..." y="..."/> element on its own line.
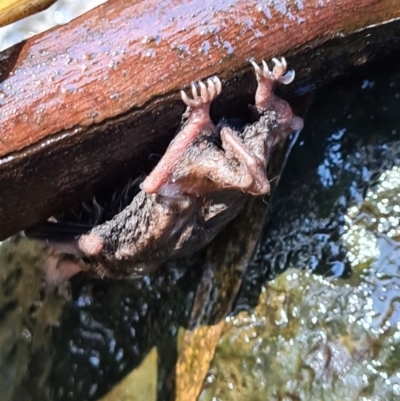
<point x="85" y="103"/>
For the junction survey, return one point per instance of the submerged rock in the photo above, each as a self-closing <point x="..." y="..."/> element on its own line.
<point x="309" y="338"/>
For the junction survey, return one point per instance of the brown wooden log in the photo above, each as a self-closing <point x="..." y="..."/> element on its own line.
<point x="86" y="103"/>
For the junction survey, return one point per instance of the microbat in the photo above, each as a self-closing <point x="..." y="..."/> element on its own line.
<point x="198" y="186"/>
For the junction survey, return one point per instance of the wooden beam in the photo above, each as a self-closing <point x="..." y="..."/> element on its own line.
<point x="86" y="103"/>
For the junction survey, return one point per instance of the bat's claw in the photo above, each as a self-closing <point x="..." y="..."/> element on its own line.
<point x="202" y="94"/>
<point x="278" y="73"/>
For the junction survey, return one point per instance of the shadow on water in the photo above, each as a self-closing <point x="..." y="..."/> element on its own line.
<point x="106" y="328"/>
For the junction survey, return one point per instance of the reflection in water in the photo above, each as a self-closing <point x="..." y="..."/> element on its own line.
<point x="372" y="234"/>
<point x="333" y="159"/>
<point x="378" y="214"/>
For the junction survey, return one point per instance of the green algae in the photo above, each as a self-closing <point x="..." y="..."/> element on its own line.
<point x="27" y="316"/>
<point x="309" y="338"/>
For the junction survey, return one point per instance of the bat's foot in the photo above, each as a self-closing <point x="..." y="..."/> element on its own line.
<point x="202" y="94"/>
<point x="198" y="123"/>
<point x="279" y="72"/>
<point x="266" y="79"/>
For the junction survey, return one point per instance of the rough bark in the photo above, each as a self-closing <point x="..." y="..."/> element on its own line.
<point x="86" y="103"/>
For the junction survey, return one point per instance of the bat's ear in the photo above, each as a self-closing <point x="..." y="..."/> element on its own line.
<point x="70" y="247"/>
<point x="58" y="269"/>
